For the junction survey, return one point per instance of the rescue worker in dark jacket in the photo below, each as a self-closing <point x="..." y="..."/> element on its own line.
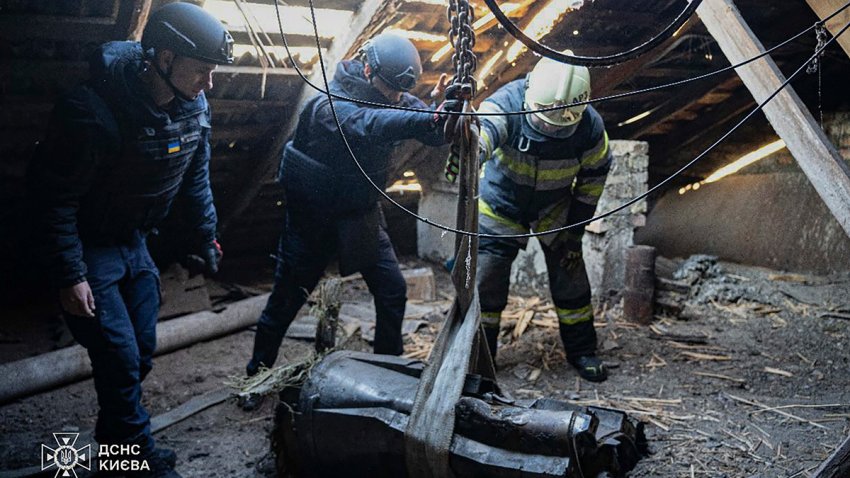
<point x="542" y="171"/>
<point x="120" y="149"/>
<point x="331" y="209"/>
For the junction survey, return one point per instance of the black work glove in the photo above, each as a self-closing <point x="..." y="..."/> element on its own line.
<point x="571" y="255"/>
<point x="206" y="261"/>
<point x="440" y="114"/>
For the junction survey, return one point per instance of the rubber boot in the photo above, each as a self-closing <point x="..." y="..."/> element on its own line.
<point x="580" y="344"/>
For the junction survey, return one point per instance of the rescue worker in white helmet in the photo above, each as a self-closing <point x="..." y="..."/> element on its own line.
<point x="542" y="171"/>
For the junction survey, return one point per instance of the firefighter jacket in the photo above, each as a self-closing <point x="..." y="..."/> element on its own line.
<point x="316" y="169"/>
<point x="113" y="163"/>
<point x="537" y="182"/>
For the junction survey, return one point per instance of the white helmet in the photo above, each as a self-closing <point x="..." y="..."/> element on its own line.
<point x="552" y="83"/>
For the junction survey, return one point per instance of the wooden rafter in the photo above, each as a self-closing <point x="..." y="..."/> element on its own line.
<point x="788" y="115"/>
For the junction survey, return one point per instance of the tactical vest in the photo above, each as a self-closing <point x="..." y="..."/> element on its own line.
<point x="134" y="188"/>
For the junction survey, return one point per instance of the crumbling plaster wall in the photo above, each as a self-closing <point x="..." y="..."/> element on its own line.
<point x="604" y="243"/>
<point x="768" y="215"/>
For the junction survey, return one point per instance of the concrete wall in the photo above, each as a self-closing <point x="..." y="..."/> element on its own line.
<point x="604" y="243"/>
<point x="775" y="220"/>
<point x="768" y="215"/>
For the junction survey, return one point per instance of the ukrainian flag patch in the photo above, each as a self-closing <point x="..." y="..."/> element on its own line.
<point x="174" y="146"/>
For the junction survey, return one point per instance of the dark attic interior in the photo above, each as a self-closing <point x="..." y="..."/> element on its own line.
<point x="188" y="265"/>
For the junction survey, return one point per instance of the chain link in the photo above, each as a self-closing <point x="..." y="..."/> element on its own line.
<point x="461" y="34"/>
<point x="821" y="36"/>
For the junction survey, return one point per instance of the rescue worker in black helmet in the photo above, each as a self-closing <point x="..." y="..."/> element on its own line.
<point x="542" y="171"/>
<point x="119" y="151"/>
<point x="332" y="210"/>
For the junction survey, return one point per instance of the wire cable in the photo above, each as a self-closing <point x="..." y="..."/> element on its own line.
<point x="443" y="227"/>
<point x="593" y="61"/>
<point x="549" y="108"/>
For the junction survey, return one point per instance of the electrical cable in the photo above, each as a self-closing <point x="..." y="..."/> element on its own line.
<point x="593" y="61"/>
<point x="549" y="108"/>
<point x="425" y="220"/>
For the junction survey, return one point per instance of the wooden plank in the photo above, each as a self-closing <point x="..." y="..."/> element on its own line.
<point x="788" y="115"/>
<point x="241" y="36"/>
<point x="268" y="164"/>
<point x="824" y="8"/>
<point x="255" y="70"/>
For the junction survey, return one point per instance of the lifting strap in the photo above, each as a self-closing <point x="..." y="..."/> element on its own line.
<point x="459" y="348"/>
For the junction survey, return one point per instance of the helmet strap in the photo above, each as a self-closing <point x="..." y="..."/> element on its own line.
<point x="166" y="76"/>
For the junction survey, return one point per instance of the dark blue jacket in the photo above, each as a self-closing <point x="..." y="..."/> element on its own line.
<point x="317" y="170"/>
<point x="113" y="163"/>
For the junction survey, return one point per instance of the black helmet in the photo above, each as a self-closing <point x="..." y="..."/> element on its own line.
<point x="188" y="30"/>
<point x="394" y="59"/>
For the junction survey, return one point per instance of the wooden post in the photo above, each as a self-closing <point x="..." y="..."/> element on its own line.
<point x="817" y="157"/>
<point x="640" y="284"/>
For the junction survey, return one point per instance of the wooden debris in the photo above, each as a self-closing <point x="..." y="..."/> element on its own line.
<point x="671" y="285"/>
<point x="774" y="410"/>
<point x="706" y="357"/>
<point x="720" y="376"/>
<point x="421" y="284"/>
<point x="777" y="371"/>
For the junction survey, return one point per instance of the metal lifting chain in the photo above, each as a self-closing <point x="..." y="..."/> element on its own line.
<point x="462" y="36"/>
<point x="430" y="428"/>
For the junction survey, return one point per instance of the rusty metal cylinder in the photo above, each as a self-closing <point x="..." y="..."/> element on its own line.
<point x="638" y="296"/>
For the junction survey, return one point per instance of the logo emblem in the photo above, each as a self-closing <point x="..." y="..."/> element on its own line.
<point x="65" y="457"/>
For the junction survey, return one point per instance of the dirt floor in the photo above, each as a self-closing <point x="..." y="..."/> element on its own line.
<point x="754" y="383"/>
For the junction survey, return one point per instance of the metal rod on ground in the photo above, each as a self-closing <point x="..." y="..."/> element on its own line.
<point x="640" y="284"/>
<point x="53" y="369"/>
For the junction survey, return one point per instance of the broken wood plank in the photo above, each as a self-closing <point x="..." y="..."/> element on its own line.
<point x="787" y="113"/>
<point x="187" y="409"/>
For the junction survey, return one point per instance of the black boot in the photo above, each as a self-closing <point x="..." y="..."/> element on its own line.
<point x="161" y="462"/>
<point x="590" y="367"/>
<point x="580" y="344"/>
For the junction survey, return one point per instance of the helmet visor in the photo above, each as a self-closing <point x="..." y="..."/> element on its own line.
<point x="548" y="129"/>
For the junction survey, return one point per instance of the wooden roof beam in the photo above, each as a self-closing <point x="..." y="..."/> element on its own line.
<point x="788" y="115"/>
